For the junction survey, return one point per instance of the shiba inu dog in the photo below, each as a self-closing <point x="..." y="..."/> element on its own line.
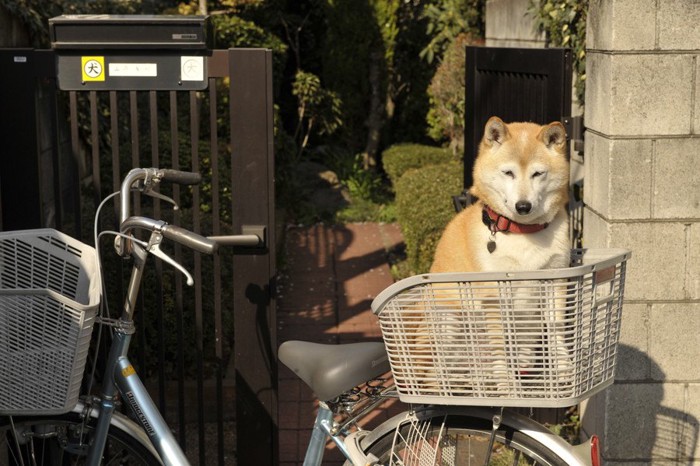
<point x="518" y="223"/>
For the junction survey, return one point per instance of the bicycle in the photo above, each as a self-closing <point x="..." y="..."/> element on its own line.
<point x="50" y="292"/>
<point x="461" y="350"/>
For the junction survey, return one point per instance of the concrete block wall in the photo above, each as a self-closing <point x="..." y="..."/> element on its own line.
<point x="642" y="192"/>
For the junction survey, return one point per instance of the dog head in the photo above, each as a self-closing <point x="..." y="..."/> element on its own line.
<point x="522" y="170"/>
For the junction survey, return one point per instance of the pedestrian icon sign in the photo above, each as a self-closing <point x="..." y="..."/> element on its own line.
<point x="93" y="68"/>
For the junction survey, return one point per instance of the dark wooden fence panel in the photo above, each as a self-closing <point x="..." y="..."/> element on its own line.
<point x="256" y="347"/>
<point x="207" y="354"/>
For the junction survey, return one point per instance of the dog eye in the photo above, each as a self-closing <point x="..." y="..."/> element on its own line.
<point x="536" y="174"/>
<point x="509" y="173"/>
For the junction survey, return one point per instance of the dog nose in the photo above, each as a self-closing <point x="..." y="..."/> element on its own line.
<point x="523" y="207"/>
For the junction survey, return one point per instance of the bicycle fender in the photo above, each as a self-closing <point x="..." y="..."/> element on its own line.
<point x="353" y="446"/>
<point x="121" y="422"/>
<point x="575" y="456"/>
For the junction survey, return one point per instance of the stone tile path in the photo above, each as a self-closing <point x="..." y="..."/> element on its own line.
<point x="331" y="275"/>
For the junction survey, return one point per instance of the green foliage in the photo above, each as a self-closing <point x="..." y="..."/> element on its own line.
<point x="570" y="427"/>
<point x="351" y="34"/>
<point x="400" y="158"/>
<point x="446" y="92"/>
<point x="424" y="207"/>
<point x="364" y="210"/>
<point x="31" y="15"/>
<point x="319" y="110"/>
<point x="34" y="14"/>
<point x="447" y="19"/>
<point x="564" y="23"/>
<point x="234" y="31"/>
<point x="408" y="79"/>
<point x="424" y="179"/>
<point x="369" y="200"/>
<point x="361" y="183"/>
<point x="386" y="14"/>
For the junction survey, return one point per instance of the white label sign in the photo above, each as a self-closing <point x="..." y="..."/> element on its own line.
<point x="148" y="70"/>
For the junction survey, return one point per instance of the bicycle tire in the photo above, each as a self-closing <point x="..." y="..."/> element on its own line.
<point x="64" y="440"/>
<point x="460" y="440"/>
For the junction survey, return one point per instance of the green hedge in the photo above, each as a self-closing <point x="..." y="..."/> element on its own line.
<point x="424" y="207"/>
<point x="400" y="158"/>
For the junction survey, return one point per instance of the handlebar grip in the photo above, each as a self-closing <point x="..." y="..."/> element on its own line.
<point x="180" y="177"/>
<point x="189" y="239"/>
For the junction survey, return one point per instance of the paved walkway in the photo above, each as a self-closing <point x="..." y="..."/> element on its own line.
<point x="330" y="277"/>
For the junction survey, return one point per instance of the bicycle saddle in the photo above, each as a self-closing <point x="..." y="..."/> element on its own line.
<point x="330" y="370"/>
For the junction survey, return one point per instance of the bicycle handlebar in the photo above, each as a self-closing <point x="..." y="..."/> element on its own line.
<point x="174" y="233"/>
<point x="144" y="179"/>
<point x="180" y="177"/>
<point x="151" y="176"/>
<point x="190" y="239"/>
<point x="147" y="177"/>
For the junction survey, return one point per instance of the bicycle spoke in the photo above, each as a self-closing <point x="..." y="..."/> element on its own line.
<point x="64" y="442"/>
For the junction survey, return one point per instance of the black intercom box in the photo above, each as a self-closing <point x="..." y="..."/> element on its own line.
<point x="131" y="52"/>
<point x="124" y="32"/>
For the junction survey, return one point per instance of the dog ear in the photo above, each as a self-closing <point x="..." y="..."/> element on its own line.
<point x="553" y="135"/>
<point x="495" y="132"/>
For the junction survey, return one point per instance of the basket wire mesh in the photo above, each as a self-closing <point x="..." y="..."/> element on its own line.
<point x="49" y="295"/>
<point x="540" y="339"/>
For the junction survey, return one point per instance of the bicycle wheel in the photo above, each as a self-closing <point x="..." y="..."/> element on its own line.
<point x="456" y="440"/>
<point x="64" y="440"/>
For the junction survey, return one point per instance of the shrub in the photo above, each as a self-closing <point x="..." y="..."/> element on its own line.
<point x="400" y="158"/>
<point x="564" y="22"/>
<point x="233" y="31"/>
<point x="424" y="207"/>
<point x="446" y="91"/>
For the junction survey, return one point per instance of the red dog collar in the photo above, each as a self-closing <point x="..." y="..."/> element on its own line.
<point x="497" y="222"/>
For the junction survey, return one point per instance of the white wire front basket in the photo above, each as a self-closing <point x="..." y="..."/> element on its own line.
<point x="49" y="296"/>
<point x="545" y="338"/>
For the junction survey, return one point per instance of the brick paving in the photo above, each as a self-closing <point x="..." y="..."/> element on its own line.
<point x="330" y="276"/>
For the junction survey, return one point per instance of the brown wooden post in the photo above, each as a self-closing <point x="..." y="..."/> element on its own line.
<point x="255" y="345"/>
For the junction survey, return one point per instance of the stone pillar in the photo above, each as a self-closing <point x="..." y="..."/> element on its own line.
<point x="642" y="192"/>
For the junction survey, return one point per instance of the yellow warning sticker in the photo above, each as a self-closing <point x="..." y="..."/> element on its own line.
<point x="128" y="370"/>
<point x="93" y="68"/>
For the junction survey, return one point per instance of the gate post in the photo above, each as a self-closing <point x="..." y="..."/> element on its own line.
<point x="252" y="178"/>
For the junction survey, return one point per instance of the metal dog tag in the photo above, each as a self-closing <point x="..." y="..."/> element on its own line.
<point x="491" y="246"/>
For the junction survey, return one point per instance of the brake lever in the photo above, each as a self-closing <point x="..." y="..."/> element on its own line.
<point x="145" y="187"/>
<point x="154" y="248"/>
<point x="157" y="195"/>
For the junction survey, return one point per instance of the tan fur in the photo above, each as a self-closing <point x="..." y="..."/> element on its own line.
<point x="523" y="148"/>
<point x="536" y="158"/>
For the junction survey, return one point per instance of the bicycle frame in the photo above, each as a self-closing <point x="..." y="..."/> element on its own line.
<point x="121" y="378"/>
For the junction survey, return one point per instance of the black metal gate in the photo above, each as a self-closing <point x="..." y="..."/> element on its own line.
<point x="203" y="369"/>
<point x="515" y="85"/>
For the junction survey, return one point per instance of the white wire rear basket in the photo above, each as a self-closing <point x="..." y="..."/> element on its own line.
<point x="546" y="338"/>
<point x="49" y="295"/>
